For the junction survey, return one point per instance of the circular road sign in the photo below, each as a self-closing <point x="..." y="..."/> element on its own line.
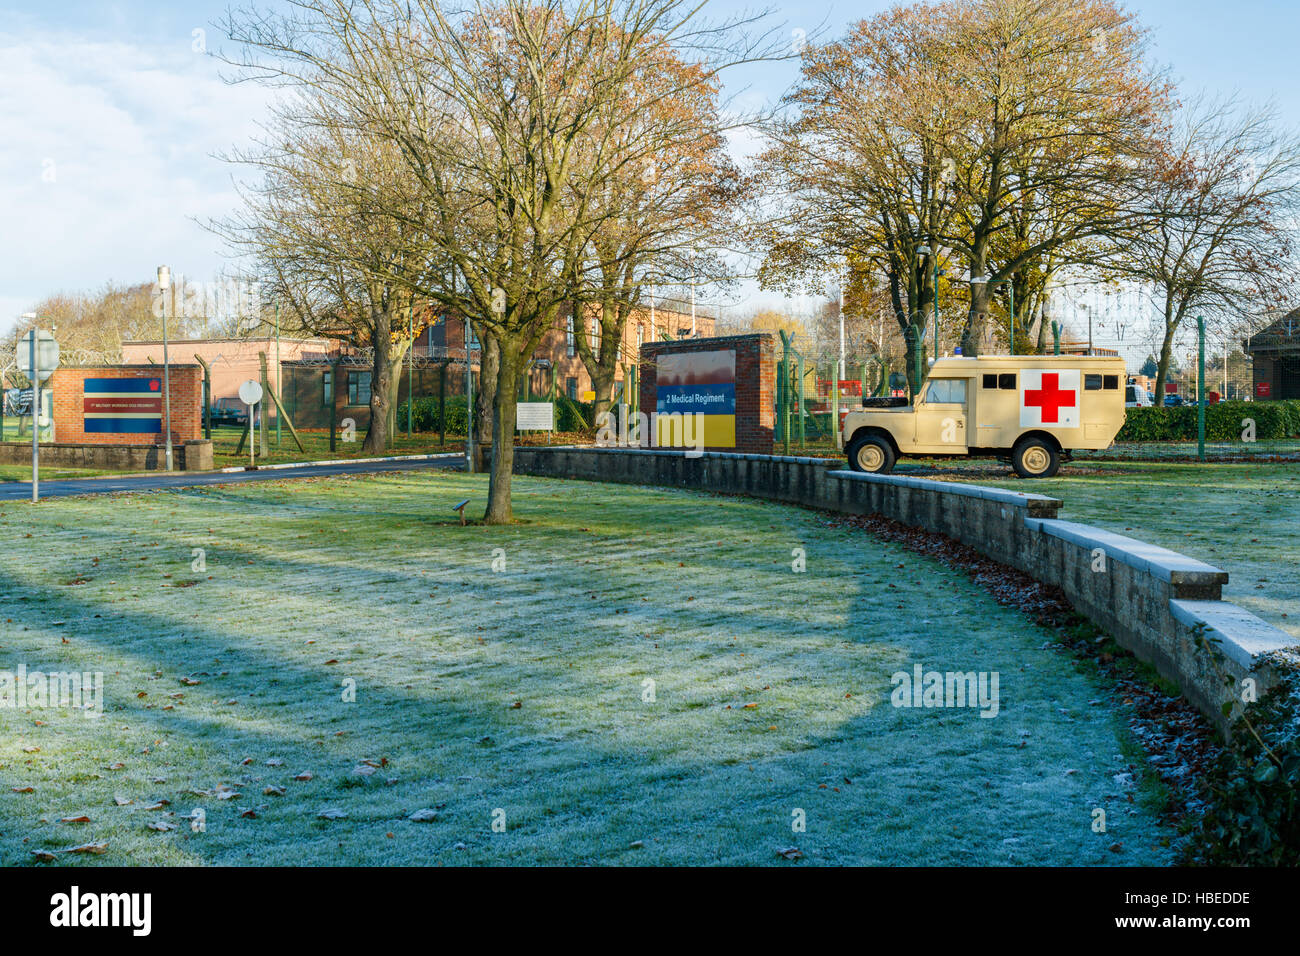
<point x="250" y="393"/>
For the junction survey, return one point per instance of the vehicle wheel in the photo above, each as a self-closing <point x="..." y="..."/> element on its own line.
<point x="871" y="454"/>
<point x="1035" y="458"/>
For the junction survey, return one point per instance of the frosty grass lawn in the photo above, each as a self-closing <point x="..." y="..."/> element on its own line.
<point x="1241" y="517"/>
<point x="522" y="690"/>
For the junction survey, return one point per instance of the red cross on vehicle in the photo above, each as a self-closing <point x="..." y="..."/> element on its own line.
<point x="1050" y="398"/>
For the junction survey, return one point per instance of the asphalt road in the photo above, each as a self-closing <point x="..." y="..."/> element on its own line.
<point x="22" y="491"/>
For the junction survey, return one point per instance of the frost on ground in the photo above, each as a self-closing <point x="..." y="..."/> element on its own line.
<point x="1241" y="517"/>
<point x="341" y="677"/>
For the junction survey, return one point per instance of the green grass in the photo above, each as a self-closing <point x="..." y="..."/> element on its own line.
<point x="523" y="689"/>
<point x="1242" y="517"/>
<point x="316" y="445"/>
<point x="11" y="473"/>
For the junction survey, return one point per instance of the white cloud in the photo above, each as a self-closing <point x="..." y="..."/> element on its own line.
<point x="109" y="160"/>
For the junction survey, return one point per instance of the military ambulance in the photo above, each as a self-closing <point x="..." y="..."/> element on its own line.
<point x="1031" y="410"/>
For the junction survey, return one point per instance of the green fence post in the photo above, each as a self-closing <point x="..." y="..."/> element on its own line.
<point x="1200" y="387"/>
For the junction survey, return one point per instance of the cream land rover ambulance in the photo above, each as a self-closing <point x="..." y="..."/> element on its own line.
<point x="1031" y="409"/>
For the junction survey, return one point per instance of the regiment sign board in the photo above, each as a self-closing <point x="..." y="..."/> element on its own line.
<point x="123" y="405"/>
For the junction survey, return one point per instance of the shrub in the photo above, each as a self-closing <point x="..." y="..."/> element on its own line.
<point x="425" y="417"/>
<point x="1254" y="815"/>
<point x="1223" y="422"/>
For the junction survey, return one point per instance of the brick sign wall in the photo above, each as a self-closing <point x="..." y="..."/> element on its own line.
<point x="120" y="402"/>
<point x="754" y="388"/>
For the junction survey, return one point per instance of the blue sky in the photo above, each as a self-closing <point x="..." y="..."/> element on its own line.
<point x="112" y="115"/>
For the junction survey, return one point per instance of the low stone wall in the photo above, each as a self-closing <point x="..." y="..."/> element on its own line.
<point x="1163" y="606"/>
<point x="193" y="455"/>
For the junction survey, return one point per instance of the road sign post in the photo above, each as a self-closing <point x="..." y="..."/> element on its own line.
<point x="38" y="357"/>
<point x="250" y="393"/>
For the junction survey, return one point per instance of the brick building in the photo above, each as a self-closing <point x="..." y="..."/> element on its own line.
<point x="1275" y="355"/>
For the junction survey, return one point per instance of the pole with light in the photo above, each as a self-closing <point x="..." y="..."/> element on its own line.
<point x="164" y="284"/>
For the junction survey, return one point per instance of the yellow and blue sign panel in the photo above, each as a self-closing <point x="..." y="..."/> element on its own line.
<point x="696" y="383"/>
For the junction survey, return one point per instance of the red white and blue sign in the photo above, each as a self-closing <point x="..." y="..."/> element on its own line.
<point x="123" y="405"/>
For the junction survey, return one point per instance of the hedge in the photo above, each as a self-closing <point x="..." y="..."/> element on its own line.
<point x="425" y="418"/>
<point x="1223" y="422"/>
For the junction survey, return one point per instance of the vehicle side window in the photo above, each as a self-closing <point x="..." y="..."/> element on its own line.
<point x="1111" y="383"/>
<point x="946" y="391"/>
<point x="1092" y="382"/>
<point x="990" y="380"/>
<point x="1007" y="380"/>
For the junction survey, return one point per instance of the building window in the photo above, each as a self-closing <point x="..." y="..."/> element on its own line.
<point x="571" y="389"/>
<point x="359" y="388"/>
<point x="570" y="346"/>
<point x="595" y="339"/>
<point x="327" y="389"/>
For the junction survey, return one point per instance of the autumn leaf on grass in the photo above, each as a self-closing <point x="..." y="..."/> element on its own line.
<point x="423" y="816"/>
<point x="95" y="848"/>
<point x="45" y="856"/>
<point x="304" y="776"/>
<point x="275" y="762"/>
<point x="273" y="791"/>
<point x="225" y="792"/>
<point x="121" y="801"/>
<point x="790" y="853"/>
<point x="332" y="813"/>
<point x="81" y="819"/>
<point x="26" y="789"/>
<point x="162" y="826"/>
<point x="190" y="681"/>
<point x="157" y="806"/>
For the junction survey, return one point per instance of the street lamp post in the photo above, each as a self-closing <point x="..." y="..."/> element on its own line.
<point x="934" y="264"/>
<point x="36" y="407"/>
<point x="164" y="283"/>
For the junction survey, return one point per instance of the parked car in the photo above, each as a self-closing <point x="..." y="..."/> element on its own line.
<point x="1173" y="401"/>
<point x="1135" y="396"/>
<point x="229" y="411"/>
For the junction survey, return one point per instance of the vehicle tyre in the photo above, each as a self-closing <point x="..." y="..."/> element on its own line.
<point x="872" y="454"/>
<point x="1035" y="458"/>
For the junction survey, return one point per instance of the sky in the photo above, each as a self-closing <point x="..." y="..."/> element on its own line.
<point x="115" y="116"/>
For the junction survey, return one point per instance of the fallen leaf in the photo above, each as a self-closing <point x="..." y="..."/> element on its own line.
<point x="45" y="856"/>
<point x="423" y="816"/>
<point x="27" y="789"/>
<point x="81" y="819"/>
<point x="305" y="775"/>
<point x="790" y="853"/>
<point x="96" y="848"/>
<point x="162" y="826"/>
<point x="332" y="814"/>
<point x="273" y="791"/>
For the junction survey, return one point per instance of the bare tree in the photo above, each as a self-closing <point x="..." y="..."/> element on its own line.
<point x="1221" y="209"/>
<point x="501" y="115"/>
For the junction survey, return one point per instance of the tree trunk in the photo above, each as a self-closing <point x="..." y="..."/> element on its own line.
<point x="485" y="397"/>
<point x="381" y="371"/>
<point x="602" y="383"/>
<point x="396" y="359"/>
<point x="1162" y="366"/>
<point x="977" y="319"/>
<point x="505" y="403"/>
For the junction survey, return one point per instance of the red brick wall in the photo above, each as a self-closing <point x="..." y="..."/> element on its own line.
<point x="755" y="384"/>
<point x="69" y="405"/>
